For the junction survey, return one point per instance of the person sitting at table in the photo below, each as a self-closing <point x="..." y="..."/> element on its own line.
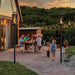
<point x="26" y="38"/>
<point x="21" y="40"/>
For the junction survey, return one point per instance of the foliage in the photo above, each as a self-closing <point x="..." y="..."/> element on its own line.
<point x="65" y="41"/>
<point x="66" y="60"/>
<point x="33" y="16"/>
<point x="48" y="35"/>
<point x="48" y="19"/>
<point x="70" y="50"/>
<point x="9" y="68"/>
<point x="69" y="34"/>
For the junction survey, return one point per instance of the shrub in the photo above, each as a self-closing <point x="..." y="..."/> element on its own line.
<point x="66" y="60"/>
<point x="72" y="42"/>
<point x="49" y="35"/>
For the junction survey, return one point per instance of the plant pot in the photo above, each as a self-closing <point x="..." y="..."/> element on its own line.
<point x="65" y="44"/>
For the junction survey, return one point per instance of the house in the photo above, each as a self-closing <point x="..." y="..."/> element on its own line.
<point x="7" y="7"/>
<point x="31" y="31"/>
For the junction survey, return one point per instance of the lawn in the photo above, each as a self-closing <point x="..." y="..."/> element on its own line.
<point x="70" y="51"/>
<point x="9" y="68"/>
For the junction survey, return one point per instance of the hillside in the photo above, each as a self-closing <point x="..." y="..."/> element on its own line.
<point x="33" y="16"/>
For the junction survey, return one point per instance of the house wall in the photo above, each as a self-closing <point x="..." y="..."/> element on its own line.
<point x="7" y="7"/>
<point x="2" y="34"/>
<point x="5" y="34"/>
<point x="6" y="11"/>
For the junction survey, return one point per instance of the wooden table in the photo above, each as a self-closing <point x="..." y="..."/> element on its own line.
<point x="30" y="43"/>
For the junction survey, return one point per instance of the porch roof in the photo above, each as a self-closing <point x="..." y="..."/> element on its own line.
<point x="31" y="28"/>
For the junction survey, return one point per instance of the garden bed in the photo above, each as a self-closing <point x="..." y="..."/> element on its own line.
<point x="69" y="52"/>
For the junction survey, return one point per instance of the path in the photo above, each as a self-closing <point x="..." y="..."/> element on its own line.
<point x="39" y="62"/>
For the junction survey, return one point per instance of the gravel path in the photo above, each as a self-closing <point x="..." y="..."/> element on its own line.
<point x="39" y="62"/>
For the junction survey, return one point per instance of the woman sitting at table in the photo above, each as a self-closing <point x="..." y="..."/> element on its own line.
<point x="26" y="38"/>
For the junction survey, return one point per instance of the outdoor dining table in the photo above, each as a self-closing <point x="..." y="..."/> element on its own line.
<point x="32" y="43"/>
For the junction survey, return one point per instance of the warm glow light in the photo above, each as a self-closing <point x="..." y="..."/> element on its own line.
<point x="14" y="20"/>
<point x="61" y="22"/>
<point x="69" y="23"/>
<point x="5" y="22"/>
<point x="2" y="47"/>
<point x="2" y="39"/>
<point x="2" y="22"/>
<point x="5" y="42"/>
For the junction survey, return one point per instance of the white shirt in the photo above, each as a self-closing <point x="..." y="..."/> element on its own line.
<point x="39" y="40"/>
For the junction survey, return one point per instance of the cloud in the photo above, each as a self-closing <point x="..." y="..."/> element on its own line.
<point x="48" y="3"/>
<point x="28" y="4"/>
<point x="57" y="3"/>
<point x="37" y="3"/>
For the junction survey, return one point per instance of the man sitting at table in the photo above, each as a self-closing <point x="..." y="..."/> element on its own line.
<point x="26" y="37"/>
<point x="21" y="40"/>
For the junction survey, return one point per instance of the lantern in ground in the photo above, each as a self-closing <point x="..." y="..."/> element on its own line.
<point x="61" y="24"/>
<point x="14" y="22"/>
<point x="69" y="24"/>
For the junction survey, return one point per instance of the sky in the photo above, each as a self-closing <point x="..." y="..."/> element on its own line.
<point x="48" y="3"/>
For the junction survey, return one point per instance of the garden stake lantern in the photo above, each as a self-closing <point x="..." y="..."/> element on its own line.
<point x="61" y="24"/>
<point x="14" y="22"/>
<point x="69" y="24"/>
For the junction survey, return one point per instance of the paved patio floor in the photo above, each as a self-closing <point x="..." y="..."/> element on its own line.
<point x="39" y="62"/>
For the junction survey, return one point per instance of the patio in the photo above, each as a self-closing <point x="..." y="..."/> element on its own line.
<point x="39" y="62"/>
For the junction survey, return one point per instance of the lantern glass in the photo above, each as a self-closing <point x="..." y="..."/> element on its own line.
<point x="14" y="18"/>
<point x="61" y="22"/>
<point x="69" y="23"/>
<point x="61" y="18"/>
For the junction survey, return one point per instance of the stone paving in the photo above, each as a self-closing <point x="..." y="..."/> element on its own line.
<point x="71" y="63"/>
<point x="39" y="62"/>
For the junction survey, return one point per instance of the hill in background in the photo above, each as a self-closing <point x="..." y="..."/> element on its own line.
<point x="33" y="16"/>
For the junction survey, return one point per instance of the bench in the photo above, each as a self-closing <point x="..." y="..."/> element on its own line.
<point x="20" y="48"/>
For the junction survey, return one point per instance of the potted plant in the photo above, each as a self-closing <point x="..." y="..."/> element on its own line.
<point x="65" y="43"/>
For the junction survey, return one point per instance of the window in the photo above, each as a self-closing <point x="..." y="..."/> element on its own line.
<point x="2" y="35"/>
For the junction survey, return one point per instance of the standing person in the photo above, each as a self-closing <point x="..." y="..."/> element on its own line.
<point x="53" y="49"/>
<point x="39" y="40"/>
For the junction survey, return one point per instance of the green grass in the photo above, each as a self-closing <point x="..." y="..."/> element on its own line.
<point x="66" y="60"/>
<point x="70" y="51"/>
<point x="9" y="68"/>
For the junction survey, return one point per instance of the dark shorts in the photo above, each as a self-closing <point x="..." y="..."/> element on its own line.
<point x="53" y="51"/>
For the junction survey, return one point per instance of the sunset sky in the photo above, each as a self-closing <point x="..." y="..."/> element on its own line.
<point x="48" y="3"/>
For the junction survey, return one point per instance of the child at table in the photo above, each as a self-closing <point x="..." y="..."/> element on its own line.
<point x="53" y="49"/>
